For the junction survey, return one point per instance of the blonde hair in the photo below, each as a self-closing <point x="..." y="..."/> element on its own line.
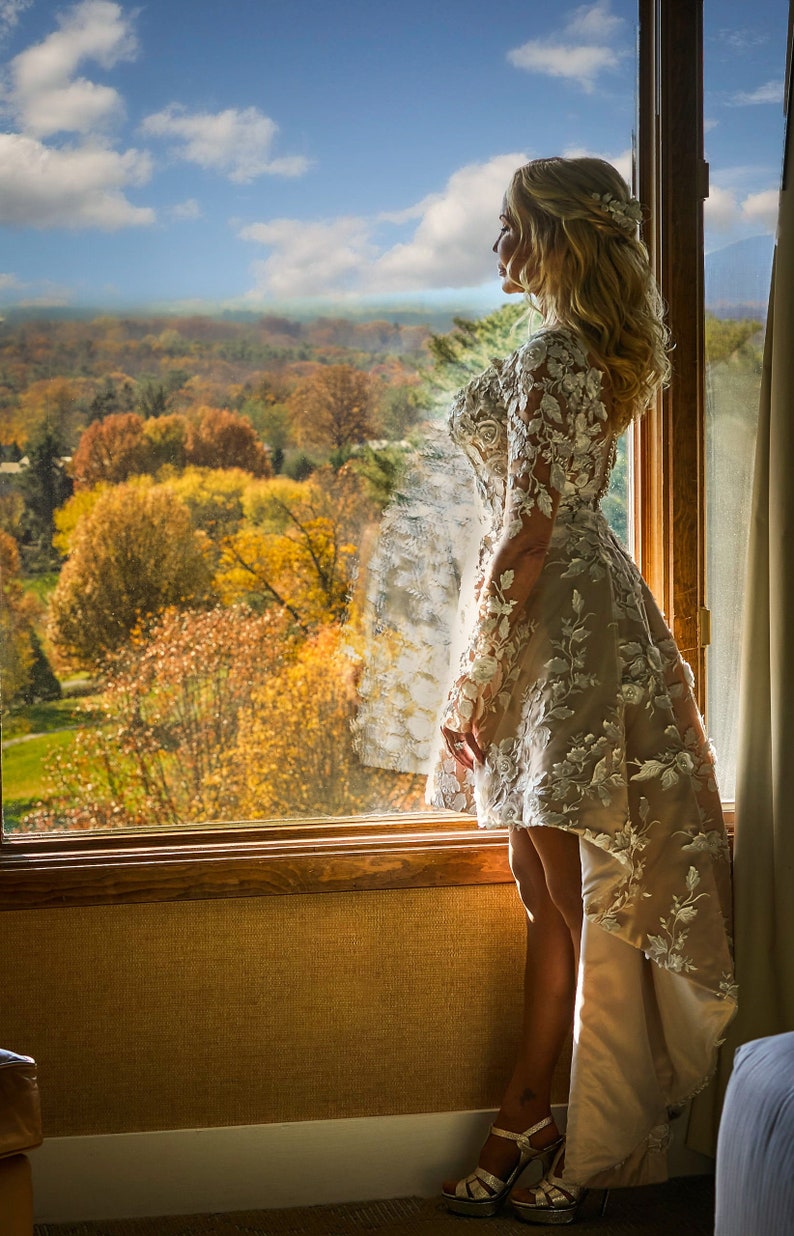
<point x="580" y="257"/>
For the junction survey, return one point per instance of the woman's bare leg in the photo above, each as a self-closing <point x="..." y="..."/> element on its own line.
<point x="549" y="991"/>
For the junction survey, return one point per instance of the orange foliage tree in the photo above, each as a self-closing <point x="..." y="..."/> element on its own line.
<point x="126" y="445"/>
<point x="111" y="450"/>
<point x="173" y="703"/>
<point x="133" y="554"/>
<point x="335" y="406"/>
<point x="222" y="439"/>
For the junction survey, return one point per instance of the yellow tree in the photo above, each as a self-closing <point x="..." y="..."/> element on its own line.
<point x="53" y="402"/>
<point x="16" y="614"/>
<point x="298" y="547"/>
<point x="134" y="554"/>
<point x="295" y="754"/>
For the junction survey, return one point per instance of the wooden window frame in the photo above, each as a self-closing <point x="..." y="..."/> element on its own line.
<point x="429" y="850"/>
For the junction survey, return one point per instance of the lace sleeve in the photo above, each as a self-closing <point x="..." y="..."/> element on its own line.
<point x="539" y="438"/>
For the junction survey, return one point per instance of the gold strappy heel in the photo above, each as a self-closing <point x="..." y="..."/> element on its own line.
<point x="482" y="1193"/>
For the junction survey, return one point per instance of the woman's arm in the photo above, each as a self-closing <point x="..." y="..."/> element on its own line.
<point x="539" y="450"/>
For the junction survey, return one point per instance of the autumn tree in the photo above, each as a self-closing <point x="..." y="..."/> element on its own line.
<point x="223" y="439"/>
<point x="334" y="407"/>
<point x="306" y="763"/>
<point x="298" y="547"/>
<point x="167" y="439"/>
<point x="111" y="450"/>
<point x="16" y="652"/>
<point x="214" y="497"/>
<point x="133" y="554"/>
<point x="52" y="402"/>
<point x="173" y="703"/>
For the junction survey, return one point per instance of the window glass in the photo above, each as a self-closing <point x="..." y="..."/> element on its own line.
<point x="744" y="63"/>
<point x="232" y="528"/>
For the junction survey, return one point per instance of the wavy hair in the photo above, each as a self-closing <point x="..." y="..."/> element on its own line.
<point x="579" y="256"/>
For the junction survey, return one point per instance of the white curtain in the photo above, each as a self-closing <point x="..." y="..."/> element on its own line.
<point x="764" y="842"/>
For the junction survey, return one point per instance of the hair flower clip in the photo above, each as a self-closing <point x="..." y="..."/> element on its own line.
<point x="626" y="215"/>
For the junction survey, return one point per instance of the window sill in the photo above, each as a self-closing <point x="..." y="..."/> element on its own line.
<point x="315" y="856"/>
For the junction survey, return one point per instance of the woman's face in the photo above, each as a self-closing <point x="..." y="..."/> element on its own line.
<point x="506" y="245"/>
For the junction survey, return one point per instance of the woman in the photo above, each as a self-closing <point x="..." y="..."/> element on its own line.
<point x="573" y="721"/>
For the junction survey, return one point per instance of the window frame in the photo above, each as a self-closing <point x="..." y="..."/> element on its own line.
<point x="434" y="850"/>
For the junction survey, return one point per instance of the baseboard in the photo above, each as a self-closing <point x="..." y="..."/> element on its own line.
<point x="319" y="1162"/>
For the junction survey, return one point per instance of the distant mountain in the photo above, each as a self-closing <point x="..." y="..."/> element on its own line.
<point x="737" y="278"/>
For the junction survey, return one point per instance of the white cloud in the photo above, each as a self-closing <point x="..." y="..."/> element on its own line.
<point x="580" y="52"/>
<point x="450" y="245"/>
<point x="594" y="21"/>
<point x="8" y="283"/>
<point x="81" y="184"/>
<point x="10" y="13"/>
<point x="725" y="211"/>
<point x="235" y="142"/>
<point x="770" y="92"/>
<point x="762" y="208"/>
<point x="71" y="187"/>
<point x="189" y="209"/>
<point x="721" y="210"/>
<point x="742" y="40"/>
<point x="313" y="258"/>
<point x="46" y="96"/>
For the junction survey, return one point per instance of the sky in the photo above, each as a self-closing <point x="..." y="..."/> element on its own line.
<point x="191" y="155"/>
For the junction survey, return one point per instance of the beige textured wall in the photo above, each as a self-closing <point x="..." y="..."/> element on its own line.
<point x="266" y="1009"/>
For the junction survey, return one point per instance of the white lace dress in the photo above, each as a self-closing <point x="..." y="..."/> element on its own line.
<point x="597" y="732"/>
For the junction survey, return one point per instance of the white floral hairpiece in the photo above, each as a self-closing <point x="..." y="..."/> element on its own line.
<point x="626" y="215"/>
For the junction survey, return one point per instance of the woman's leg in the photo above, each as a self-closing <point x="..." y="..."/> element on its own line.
<point x="549" y="990"/>
<point x="558" y="853"/>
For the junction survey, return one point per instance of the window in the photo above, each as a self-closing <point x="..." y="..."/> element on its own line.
<point x="741" y="218"/>
<point x="195" y="860"/>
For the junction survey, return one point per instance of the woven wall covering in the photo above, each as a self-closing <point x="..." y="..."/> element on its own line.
<point x="252" y="1011"/>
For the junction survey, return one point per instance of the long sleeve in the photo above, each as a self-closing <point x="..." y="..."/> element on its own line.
<point x="534" y="392"/>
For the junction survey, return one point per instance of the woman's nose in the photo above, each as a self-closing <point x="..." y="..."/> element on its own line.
<point x="495" y="246"/>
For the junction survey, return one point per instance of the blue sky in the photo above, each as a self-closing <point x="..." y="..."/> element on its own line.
<point x="192" y="154"/>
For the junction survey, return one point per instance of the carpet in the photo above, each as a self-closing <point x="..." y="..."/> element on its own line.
<point x="684" y="1206"/>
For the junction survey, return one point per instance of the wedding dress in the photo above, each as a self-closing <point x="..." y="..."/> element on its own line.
<point x="597" y="732"/>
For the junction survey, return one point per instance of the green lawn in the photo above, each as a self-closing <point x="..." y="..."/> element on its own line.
<point x="51" y="725"/>
<point x="23" y="773"/>
<point x="42" y="586"/>
<point x="49" y="715"/>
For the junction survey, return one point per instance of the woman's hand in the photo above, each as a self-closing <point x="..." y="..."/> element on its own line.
<point x="465" y="748"/>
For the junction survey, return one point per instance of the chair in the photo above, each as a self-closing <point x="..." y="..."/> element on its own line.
<point x="20" y="1130"/>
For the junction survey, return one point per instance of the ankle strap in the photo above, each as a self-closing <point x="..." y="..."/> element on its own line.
<point x="514" y="1137"/>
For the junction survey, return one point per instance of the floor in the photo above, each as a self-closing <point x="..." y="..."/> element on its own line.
<point x="681" y="1207"/>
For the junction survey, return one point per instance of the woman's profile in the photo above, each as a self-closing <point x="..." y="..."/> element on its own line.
<point x="572" y="719"/>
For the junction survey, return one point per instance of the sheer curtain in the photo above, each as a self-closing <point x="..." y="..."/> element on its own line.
<point x="764" y="843"/>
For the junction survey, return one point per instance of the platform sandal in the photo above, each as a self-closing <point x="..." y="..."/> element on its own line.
<point x="554" y="1200"/>
<point x="482" y="1193"/>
